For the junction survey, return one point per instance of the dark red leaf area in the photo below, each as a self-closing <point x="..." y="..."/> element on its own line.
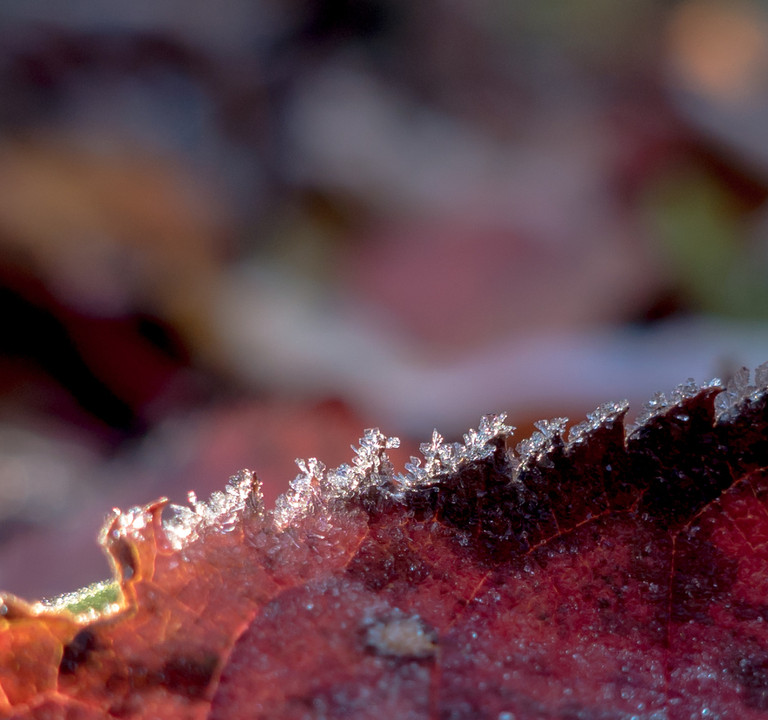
<point x="602" y="579"/>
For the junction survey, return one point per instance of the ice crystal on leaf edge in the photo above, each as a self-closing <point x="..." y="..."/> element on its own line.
<point x="316" y="488"/>
<point x="222" y="510"/>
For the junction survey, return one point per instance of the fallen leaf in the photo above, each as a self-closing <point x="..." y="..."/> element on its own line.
<point x="609" y="575"/>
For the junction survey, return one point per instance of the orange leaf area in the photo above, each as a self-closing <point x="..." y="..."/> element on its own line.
<point x="610" y="575"/>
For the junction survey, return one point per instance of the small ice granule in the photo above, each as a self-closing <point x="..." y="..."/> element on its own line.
<point x="401" y="636"/>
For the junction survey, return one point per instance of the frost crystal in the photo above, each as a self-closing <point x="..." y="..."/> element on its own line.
<point x="543" y="440"/>
<point x="687" y="390"/>
<point x="304" y="493"/>
<point x="740" y="389"/>
<point x="603" y="416"/>
<point x="401" y="636"/>
<point x="314" y="488"/>
<point x="222" y="510"/>
<point x="441" y="457"/>
<point x="371" y="464"/>
<point x="132" y="521"/>
<point x="478" y="444"/>
<point x="659" y="404"/>
<point x="438" y="455"/>
<point x="761" y="377"/>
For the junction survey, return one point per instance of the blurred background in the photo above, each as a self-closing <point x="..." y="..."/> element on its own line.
<point x="239" y="232"/>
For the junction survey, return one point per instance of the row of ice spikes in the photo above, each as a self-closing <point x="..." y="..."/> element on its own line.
<point x="371" y="465"/>
<point x="743" y="386"/>
<point x="315" y="486"/>
<point x="222" y="510"/>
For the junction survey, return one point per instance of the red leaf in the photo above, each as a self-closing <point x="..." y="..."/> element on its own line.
<point x="602" y="577"/>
